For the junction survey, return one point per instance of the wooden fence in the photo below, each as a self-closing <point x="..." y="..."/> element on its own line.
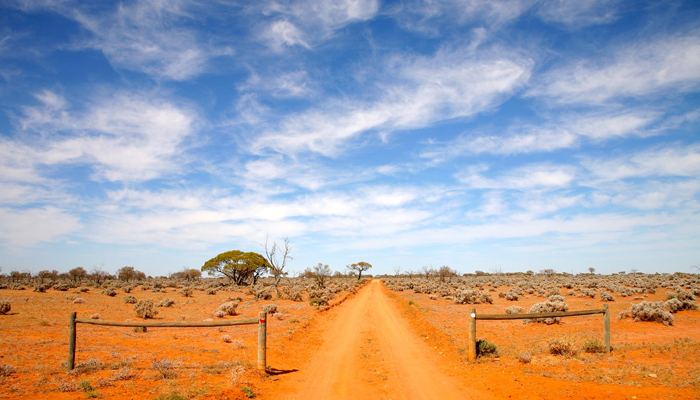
<point x="498" y="317"/>
<point x="261" y="321"/>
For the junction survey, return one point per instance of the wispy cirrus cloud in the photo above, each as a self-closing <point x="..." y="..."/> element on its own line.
<point x="633" y="70"/>
<point x="307" y="22"/>
<point x="564" y="132"/>
<point x="124" y="137"/>
<point x="535" y="176"/>
<point x="660" y="161"/>
<point x="428" y="90"/>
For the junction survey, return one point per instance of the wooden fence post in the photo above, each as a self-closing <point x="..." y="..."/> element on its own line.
<point x="472" y="335"/>
<point x="606" y="323"/>
<point x="262" y="341"/>
<point x="71" y="342"/>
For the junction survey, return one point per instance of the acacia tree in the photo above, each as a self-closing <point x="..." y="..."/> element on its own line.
<point x="78" y="274"/>
<point x="237" y="266"/>
<point x="129" y="273"/>
<point x="359" y="267"/>
<point x="277" y="264"/>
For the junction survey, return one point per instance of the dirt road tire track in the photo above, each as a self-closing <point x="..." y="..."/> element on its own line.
<point x="370" y="352"/>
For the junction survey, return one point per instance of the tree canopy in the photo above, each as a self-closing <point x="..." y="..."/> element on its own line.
<point x="237" y="266"/>
<point x="359" y="267"/>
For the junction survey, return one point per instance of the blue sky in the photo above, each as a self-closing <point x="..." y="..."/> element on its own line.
<point x="505" y="135"/>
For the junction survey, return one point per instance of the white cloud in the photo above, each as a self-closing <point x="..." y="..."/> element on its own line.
<point x="580" y="12"/>
<point x="566" y="132"/>
<point x="428" y="90"/>
<point x="672" y="63"/>
<point x="537" y="176"/>
<point x="127" y="137"/>
<point x="528" y="139"/>
<point x="286" y="85"/>
<point x="665" y="161"/>
<point x="284" y="33"/>
<point x="609" y="125"/>
<point x="28" y="227"/>
<point x="319" y="18"/>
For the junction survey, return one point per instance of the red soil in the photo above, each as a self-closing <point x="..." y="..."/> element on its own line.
<point x="375" y="345"/>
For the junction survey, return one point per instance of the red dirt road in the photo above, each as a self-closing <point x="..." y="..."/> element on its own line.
<point x="370" y="352"/>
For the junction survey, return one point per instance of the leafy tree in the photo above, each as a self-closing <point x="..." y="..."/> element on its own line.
<point x="591" y="270"/>
<point x="130" y="273"/>
<point x="237" y="266"/>
<point x="359" y="267"/>
<point x="188" y="274"/>
<point x="78" y="274"/>
<point x="46" y="274"/>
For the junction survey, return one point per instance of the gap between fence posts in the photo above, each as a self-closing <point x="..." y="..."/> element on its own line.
<point x="261" y="321"/>
<point x="496" y="317"/>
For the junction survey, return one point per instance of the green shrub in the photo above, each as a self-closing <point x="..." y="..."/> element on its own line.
<point x="317" y="301"/>
<point x="248" y="392"/>
<point x="486" y="349"/>
<point x="593" y="346"/>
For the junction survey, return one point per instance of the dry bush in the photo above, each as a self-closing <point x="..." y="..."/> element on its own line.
<point x="109" y="292"/>
<point x="561" y="348"/>
<point x="648" y="311"/>
<point x="95" y="316"/>
<point x="68" y="386"/>
<point x="187" y="292"/>
<point x="680" y="301"/>
<point x="210" y="291"/>
<point x="6" y="370"/>
<point x="166" y="302"/>
<point x="130" y="300"/>
<point x="145" y="309"/>
<point x="432" y="296"/>
<point x="525" y="357"/>
<point x="79" y="300"/>
<point x="165" y="367"/>
<point x="219" y="314"/>
<point x="229" y="307"/>
<point x="555" y="303"/>
<point x="5" y="307"/>
<point x="605" y="296"/>
<point x="227" y="338"/>
<point x="269" y="308"/>
<point x="514" y="310"/>
<point x="469" y="296"/>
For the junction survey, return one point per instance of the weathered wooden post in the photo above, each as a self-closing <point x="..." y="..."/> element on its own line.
<point x="472" y="335"/>
<point x="606" y="323"/>
<point x="71" y="342"/>
<point x="262" y="341"/>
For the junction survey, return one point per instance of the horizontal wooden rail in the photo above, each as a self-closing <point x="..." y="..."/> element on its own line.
<point x="261" y="321"/>
<point x="497" y="317"/>
<point x="168" y="324"/>
<point x="473" y="316"/>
